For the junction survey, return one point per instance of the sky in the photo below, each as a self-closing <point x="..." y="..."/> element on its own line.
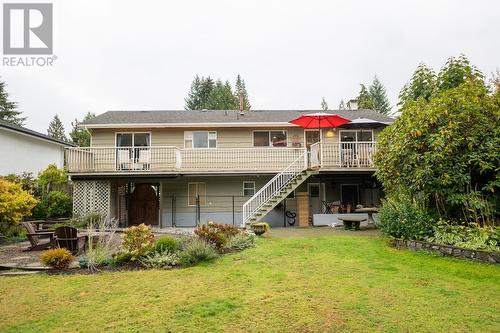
<point x="143" y="55"/>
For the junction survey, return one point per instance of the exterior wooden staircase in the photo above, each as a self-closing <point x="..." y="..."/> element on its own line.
<point x="276" y="190"/>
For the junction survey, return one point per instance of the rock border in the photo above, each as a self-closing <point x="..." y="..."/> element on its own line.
<point x="448" y="250"/>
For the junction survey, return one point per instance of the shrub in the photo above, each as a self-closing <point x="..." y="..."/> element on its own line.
<point x="472" y="237"/>
<point x="59" y="204"/>
<point x="166" y="243"/>
<point x="15" y="203"/>
<point x="102" y="242"/>
<point x="138" y="241"/>
<point x="196" y="250"/>
<point x="163" y="259"/>
<point x="121" y="258"/>
<point x="403" y="216"/>
<point x="241" y="241"/>
<point x="57" y="258"/>
<point x="212" y="235"/>
<point x="260" y="228"/>
<point x="52" y="175"/>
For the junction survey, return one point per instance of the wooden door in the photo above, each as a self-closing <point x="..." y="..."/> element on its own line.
<point x="144" y="205"/>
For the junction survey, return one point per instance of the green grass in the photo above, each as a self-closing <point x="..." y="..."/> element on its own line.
<point x="313" y="284"/>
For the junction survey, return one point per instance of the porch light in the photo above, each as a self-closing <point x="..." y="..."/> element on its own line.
<point x="330" y="133"/>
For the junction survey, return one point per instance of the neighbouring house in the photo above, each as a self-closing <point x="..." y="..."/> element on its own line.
<point x="25" y="150"/>
<point x="182" y="168"/>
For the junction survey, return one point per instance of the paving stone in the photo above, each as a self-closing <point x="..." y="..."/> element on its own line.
<point x="17" y="273"/>
<point x="20" y="258"/>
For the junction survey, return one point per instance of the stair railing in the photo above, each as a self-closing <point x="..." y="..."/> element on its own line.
<point x="274" y="187"/>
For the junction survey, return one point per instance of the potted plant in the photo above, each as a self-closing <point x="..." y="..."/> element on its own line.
<point x="260" y="228"/>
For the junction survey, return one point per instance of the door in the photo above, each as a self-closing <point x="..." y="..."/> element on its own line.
<point x="144" y="205"/>
<point x="349" y="194"/>
<point x="311" y="136"/>
<point x="314" y="199"/>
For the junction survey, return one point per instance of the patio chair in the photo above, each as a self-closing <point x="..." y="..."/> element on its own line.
<point x="144" y="159"/>
<point x="67" y="237"/>
<point x="124" y="161"/>
<point x="34" y="238"/>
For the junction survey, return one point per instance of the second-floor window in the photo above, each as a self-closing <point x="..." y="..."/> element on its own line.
<point x="356" y="136"/>
<point x="133" y="139"/>
<point x="200" y="139"/>
<point x="270" y="138"/>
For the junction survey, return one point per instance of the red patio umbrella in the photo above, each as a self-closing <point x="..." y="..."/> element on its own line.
<point x="320" y="120"/>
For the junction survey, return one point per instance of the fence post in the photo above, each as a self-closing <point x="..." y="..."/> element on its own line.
<point x="173" y="211"/>
<point x="197" y="210"/>
<point x="233" y="209"/>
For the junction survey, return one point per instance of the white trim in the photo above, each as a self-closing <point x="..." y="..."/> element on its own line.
<point x="269" y="130"/>
<point x="356" y="130"/>
<point x="191" y="125"/>
<point x="132" y="132"/>
<point x="189" y="196"/>
<point x="311" y="130"/>
<point x="249" y="181"/>
<point x="208" y="139"/>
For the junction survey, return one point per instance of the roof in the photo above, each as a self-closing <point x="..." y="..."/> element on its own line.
<point x="26" y="131"/>
<point x="216" y="118"/>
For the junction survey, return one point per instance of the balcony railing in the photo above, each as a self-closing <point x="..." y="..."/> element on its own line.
<point x="343" y="155"/>
<point x="173" y="159"/>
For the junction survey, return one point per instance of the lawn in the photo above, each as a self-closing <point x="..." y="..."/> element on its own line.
<point x="299" y="284"/>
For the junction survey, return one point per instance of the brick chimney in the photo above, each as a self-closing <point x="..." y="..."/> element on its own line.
<point x="242" y="107"/>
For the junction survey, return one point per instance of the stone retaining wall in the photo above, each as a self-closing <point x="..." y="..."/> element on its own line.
<point x="448" y="250"/>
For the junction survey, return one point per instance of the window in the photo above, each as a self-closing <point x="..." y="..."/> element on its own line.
<point x="197" y="189"/>
<point x="270" y="139"/>
<point x="311" y="137"/>
<point x="356" y="136"/>
<point x="133" y="139"/>
<point x="200" y="139"/>
<point x="248" y="188"/>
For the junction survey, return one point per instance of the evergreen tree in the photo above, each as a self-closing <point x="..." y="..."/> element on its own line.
<point x="56" y="129"/>
<point x="379" y="97"/>
<point x="421" y="85"/>
<point x="197" y="98"/>
<point x="8" y="110"/>
<point x="222" y="98"/>
<point x="324" y="104"/>
<point x="80" y="136"/>
<point x="365" y="100"/>
<point x="240" y="89"/>
<point x="342" y="105"/>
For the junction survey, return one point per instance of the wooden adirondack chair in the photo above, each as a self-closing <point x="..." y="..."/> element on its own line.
<point x="67" y="237"/>
<point x="34" y="238"/>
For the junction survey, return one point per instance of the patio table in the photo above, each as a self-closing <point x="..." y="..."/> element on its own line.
<point x="351" y="222"/>
<point x="369" y="211"/>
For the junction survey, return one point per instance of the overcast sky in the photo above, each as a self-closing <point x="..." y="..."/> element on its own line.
<point x="129" y="55"/>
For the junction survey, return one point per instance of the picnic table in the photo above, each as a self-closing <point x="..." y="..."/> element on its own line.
<point x="369" y="211"/>
<point x="351" y="222"/>
<point x="42" y="224"/>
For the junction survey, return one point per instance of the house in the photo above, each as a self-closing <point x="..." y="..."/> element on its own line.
<point x="180" y="168"/>
<point x="25" y="150"/>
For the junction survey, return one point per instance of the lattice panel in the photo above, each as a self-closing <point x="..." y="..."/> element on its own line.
<point x="91" y="196"/>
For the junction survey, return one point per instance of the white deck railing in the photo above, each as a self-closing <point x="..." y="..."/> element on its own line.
<point x="343" y="155"/>
<point x="166" y="159"/>
<point x="273" y="187"/>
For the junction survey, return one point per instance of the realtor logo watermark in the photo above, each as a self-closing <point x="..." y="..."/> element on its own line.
<point x="27" y="30"/>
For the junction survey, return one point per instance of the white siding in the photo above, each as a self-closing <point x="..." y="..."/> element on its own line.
<point x="23" y="153"/>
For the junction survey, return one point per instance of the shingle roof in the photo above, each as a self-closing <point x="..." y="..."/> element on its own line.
<point x="220" y="116"/>
<point x="24" y="130"/>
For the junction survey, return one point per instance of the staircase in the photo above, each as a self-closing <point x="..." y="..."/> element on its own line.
<point x="276" y="190"/>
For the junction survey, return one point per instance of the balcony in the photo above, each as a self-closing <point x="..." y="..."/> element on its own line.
<point x="343" y="155"/>
<point x="158" y="159"/>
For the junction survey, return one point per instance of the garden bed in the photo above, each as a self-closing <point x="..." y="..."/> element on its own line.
<point x="448" y="250"/>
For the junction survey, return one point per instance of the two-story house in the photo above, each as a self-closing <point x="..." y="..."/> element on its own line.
<point x="180" y="168"/>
